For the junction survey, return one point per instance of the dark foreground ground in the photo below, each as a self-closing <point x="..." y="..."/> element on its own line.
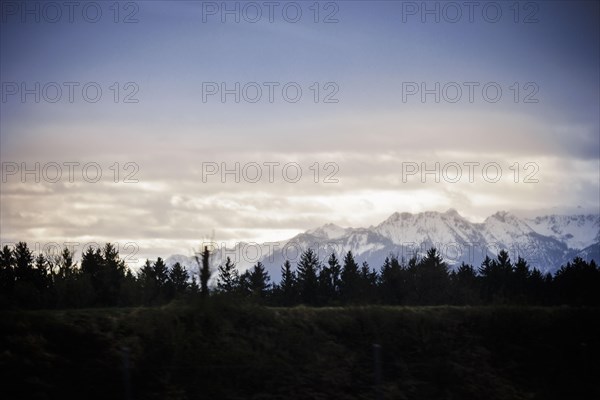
<point x="218" y="351"/>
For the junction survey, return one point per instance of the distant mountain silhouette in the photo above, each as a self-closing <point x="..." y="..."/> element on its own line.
<point x="547" y="242"/>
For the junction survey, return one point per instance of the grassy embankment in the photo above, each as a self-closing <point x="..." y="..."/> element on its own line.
<point x="218" y="351"/>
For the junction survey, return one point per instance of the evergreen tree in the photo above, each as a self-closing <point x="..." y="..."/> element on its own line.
<point x="148" y="283"/>
<point x="42" y="282"/>
<point x="465" y="285"/>
<point x="229" y="279"/>
<point x="259" y="281"/>
<point x="326" y="292"/>
<point x="42" y="277"/>
<point x="519" y="281"/>
<point x="7" y="259"/>
<point x="429" y="280"/>
<point x="307" y="272"/>
<point x="245" y="284"/>
<point x="506" y="269"/>
<point x="146" y="273"/>
<point x="161" y="273"/>
<point x="350" y="279"/>
<point x="497" y="278"/>
<point x="538" y="289"/>
<point x="392" y="281"/>
<point x="287" y="286"/>
<point x="194" y="288"/>
<point x="486" y="266"/>
<point x="104" y="271"/>
<point x="577" y="283"/>
<point x="66" y="266"/>
<point x="129" y="290"/>
<point x="155" y="282"/>
<point x="490" y="279"/>
<point x="178" y="279"/>
<point x="204" y="266"/>
<point x="91" y="265"/>
<point x="68" y="285"/>
<point x="91" y="262"/>
<point x="23" y="262"/>
<point x="112" y="274"/>
<point x="367" y="283"/>
<point x="7" y="276"/>
<point x="335" y="270"/>
<point x="103" y="280"/>
<point x="27" y="284"/>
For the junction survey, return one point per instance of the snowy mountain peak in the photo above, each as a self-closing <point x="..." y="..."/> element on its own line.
<point x="452" y="212"/>
<point x="329" y="231"/>
<point x="504" y="216"/>
<point x="545" y="242"/>
<point x="406" y="217"/>
<point x="397" y="217"/>
<point x="504" y="227"/>
<point x="577" y="231"/>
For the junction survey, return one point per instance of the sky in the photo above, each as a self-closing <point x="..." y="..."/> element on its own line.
<point x="255" y="121"/>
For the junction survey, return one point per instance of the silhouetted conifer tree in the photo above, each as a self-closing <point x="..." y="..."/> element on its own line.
<point x="287" y="286"/>
<point x="465" y="285"/>
<point x="178" y="279"/>
<point x="429" y="280"/>
<point x="307" y="273"/>
<point x="26" y="290"/>
<point x="392" y="287"/>
<point x="7" y="276"/>
<point x="577" y="283"/>
<point x="518" y="281"/>
<point x="259" y="281"/>
<point x="367" y="283"/>
<point x="112" y="273"/>
<point x="350" y="279"/>
<point x="228" y="280"/>
<point x="204" y="266"/>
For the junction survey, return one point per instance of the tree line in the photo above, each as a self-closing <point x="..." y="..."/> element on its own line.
<point x="103" y="280"/>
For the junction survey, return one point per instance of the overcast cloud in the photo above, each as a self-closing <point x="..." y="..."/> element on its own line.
<point x="366" y="143"/>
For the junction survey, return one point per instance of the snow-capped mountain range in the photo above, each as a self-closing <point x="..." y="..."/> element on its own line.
<point x="546" y="242"/>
